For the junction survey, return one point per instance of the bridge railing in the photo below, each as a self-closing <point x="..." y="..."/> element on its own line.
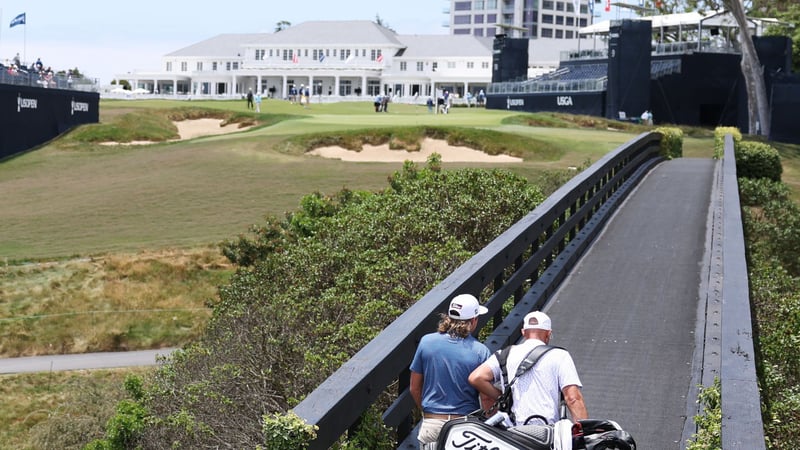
<point x="742" y="425"/>
<point x="524" y="265"/>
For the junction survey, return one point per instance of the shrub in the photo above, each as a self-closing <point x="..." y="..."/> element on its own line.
<point x="287" y="432"/>
<point x="671" y="142"/>
<point x="758" y="160"/>
<point x="719" y="139"/>
<point x="709" y="422"/>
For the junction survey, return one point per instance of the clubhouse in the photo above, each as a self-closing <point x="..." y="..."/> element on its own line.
<point x="339" y="60"/>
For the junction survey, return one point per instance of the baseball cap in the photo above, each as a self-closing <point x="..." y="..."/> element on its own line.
<point x="465" y="307"/>
<point x="536" y="320"/>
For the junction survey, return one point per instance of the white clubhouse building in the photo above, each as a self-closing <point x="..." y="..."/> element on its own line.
<point x="337" y="59"/>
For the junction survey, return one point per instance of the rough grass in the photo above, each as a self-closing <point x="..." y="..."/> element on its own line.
<point x="36" y="405"/>
<point x="110" y="303"/>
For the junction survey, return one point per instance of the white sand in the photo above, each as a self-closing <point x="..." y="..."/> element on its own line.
<point x="189" y="129"/>
<point x="382" y="153"/>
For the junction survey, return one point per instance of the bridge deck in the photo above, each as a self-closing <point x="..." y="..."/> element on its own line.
<point x="628" y="312"/>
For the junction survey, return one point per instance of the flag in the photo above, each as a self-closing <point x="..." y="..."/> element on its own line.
<point x="321" y="57"/>
<point x="294" y="58"/>
<point x="608" y="5"/>
<point x="591" y="7"/>
<point x="380" y="58"/>
<point x="350" y="58"/>
<point x="577" y="5"/>
<point x="19" y="20"/>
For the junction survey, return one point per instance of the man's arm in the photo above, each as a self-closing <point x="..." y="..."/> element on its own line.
<point x="573" y="397"/>
<point x="415" y="388"/>
<point x="482" y="379"/>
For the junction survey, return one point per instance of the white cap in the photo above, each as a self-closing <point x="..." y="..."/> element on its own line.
<point x="465" y="307"/>
<point x="536" y="320"/>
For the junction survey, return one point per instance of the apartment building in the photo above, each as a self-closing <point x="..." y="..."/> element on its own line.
<point x="549" y="19"/>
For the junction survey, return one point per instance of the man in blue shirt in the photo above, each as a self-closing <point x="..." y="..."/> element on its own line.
<point x="442" y="365"/>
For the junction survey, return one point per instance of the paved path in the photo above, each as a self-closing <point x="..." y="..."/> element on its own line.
<point x="82" y="361"/>
<point x="628" y="312"/>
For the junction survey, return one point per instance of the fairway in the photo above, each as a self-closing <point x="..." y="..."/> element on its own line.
<point x="61" y="203"/>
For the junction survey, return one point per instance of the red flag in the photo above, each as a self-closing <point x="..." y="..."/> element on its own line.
<point x="608" y="5"/>
<point x="380" y="58"/>
<point x="294" y="58"/>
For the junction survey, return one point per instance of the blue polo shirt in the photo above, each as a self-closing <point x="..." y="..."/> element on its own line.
<point x="445" y="363"/>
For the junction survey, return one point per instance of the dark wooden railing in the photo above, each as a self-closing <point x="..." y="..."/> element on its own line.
<point x="742" y="425"/>
<point x="525" y="265"/>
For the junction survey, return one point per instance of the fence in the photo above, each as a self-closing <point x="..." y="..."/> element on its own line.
<point x="524" y="265"/>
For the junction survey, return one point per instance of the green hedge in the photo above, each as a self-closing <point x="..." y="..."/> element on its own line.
<point x="719" y="139"/>
<point x="758" y="160"/>
<point x="671" y="143"/>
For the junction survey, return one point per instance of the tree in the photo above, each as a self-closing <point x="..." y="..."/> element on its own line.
<point x="752" y="70"/>
<point x="282" y="25"/>
<point x="383" y="23"/>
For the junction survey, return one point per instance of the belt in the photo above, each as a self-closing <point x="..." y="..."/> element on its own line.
<point x="443" y="416"/>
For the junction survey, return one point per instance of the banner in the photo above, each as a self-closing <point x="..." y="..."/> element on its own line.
<point x="19" y="20"/>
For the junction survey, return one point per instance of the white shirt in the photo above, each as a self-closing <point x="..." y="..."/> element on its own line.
<point x="538" y="390"/>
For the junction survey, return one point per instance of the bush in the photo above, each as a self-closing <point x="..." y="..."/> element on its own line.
<point x="287" y="432"/>
<point x="340" y="269"/>
<point x="758" y="160"/>
<point x="719" y="139"/>
<point x="709" y="422"/>
<point x="671" y="142"/>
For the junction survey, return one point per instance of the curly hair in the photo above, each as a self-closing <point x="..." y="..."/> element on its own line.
<point x="454" y="327"/>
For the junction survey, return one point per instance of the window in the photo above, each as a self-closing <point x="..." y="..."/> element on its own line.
<point x="403" y="66"/>
<point x="168" y="67"/>
<point x="451" y="64"/>
<point x="199" y="66"/>
<point x="491" y="4"/>
<point x="461" y="31"/>
<point x="184" y="66"/>
<point x="559" y="20"/>
<point x="288" y="54"/>
<point x="260" y="54"/>
<point x="344" y="54"/>
<point x="569" y="34"/>
<point x="478" y="5"/>
<point x="228" y="66"/>
<point x="491" y="18"/>
<point x="462" y="20"/>
<point x="478" y="32"/>
<point x="434" y="66"/>
<point x="236" y="65"/>
<point x="420" y="66"/>
<point x="570" y="21"/>
<point x="462" y="6"/>
<point x="478" y="18"/>
<point x="485" y="65"/>
<point x="547" y="4"/>
<point x="270" y="53"/>
<point x="547" y="32"/>
<point x="470" y="65"/>
<point x="559" y="6"/>
<point x="374" y="54"/>
<point x="214" y="66"/>
<point x="547" y="18"/>
<point x="559" y="34"/>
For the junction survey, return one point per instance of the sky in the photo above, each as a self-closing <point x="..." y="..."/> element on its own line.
<point x="106" y="38"/>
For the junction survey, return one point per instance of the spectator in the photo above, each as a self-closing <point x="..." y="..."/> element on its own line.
<point x="258" y="102"/>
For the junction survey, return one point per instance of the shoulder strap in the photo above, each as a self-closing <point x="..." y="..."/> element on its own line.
<point x="532" y="358"/>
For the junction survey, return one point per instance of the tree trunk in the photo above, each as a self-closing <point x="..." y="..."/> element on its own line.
<point x="753" y="72"/>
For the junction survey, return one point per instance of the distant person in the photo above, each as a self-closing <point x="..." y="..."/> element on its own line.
<point x="258" y="101"/>
<point x="481" y="98"/>
<point x="377" y="102"/>
<point x="430" y="104"/>
<point x="441" y="365"/>
<point x="250" y="99"/>
<point x="16" y="60"/>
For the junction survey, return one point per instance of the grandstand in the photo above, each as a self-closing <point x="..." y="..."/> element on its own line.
<point x="684" y="68"/>
<point x="37" y="106"/>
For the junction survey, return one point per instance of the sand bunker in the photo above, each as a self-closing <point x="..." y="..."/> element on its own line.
<point x="382" y="153"/>
<point x="190" y="129"/>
